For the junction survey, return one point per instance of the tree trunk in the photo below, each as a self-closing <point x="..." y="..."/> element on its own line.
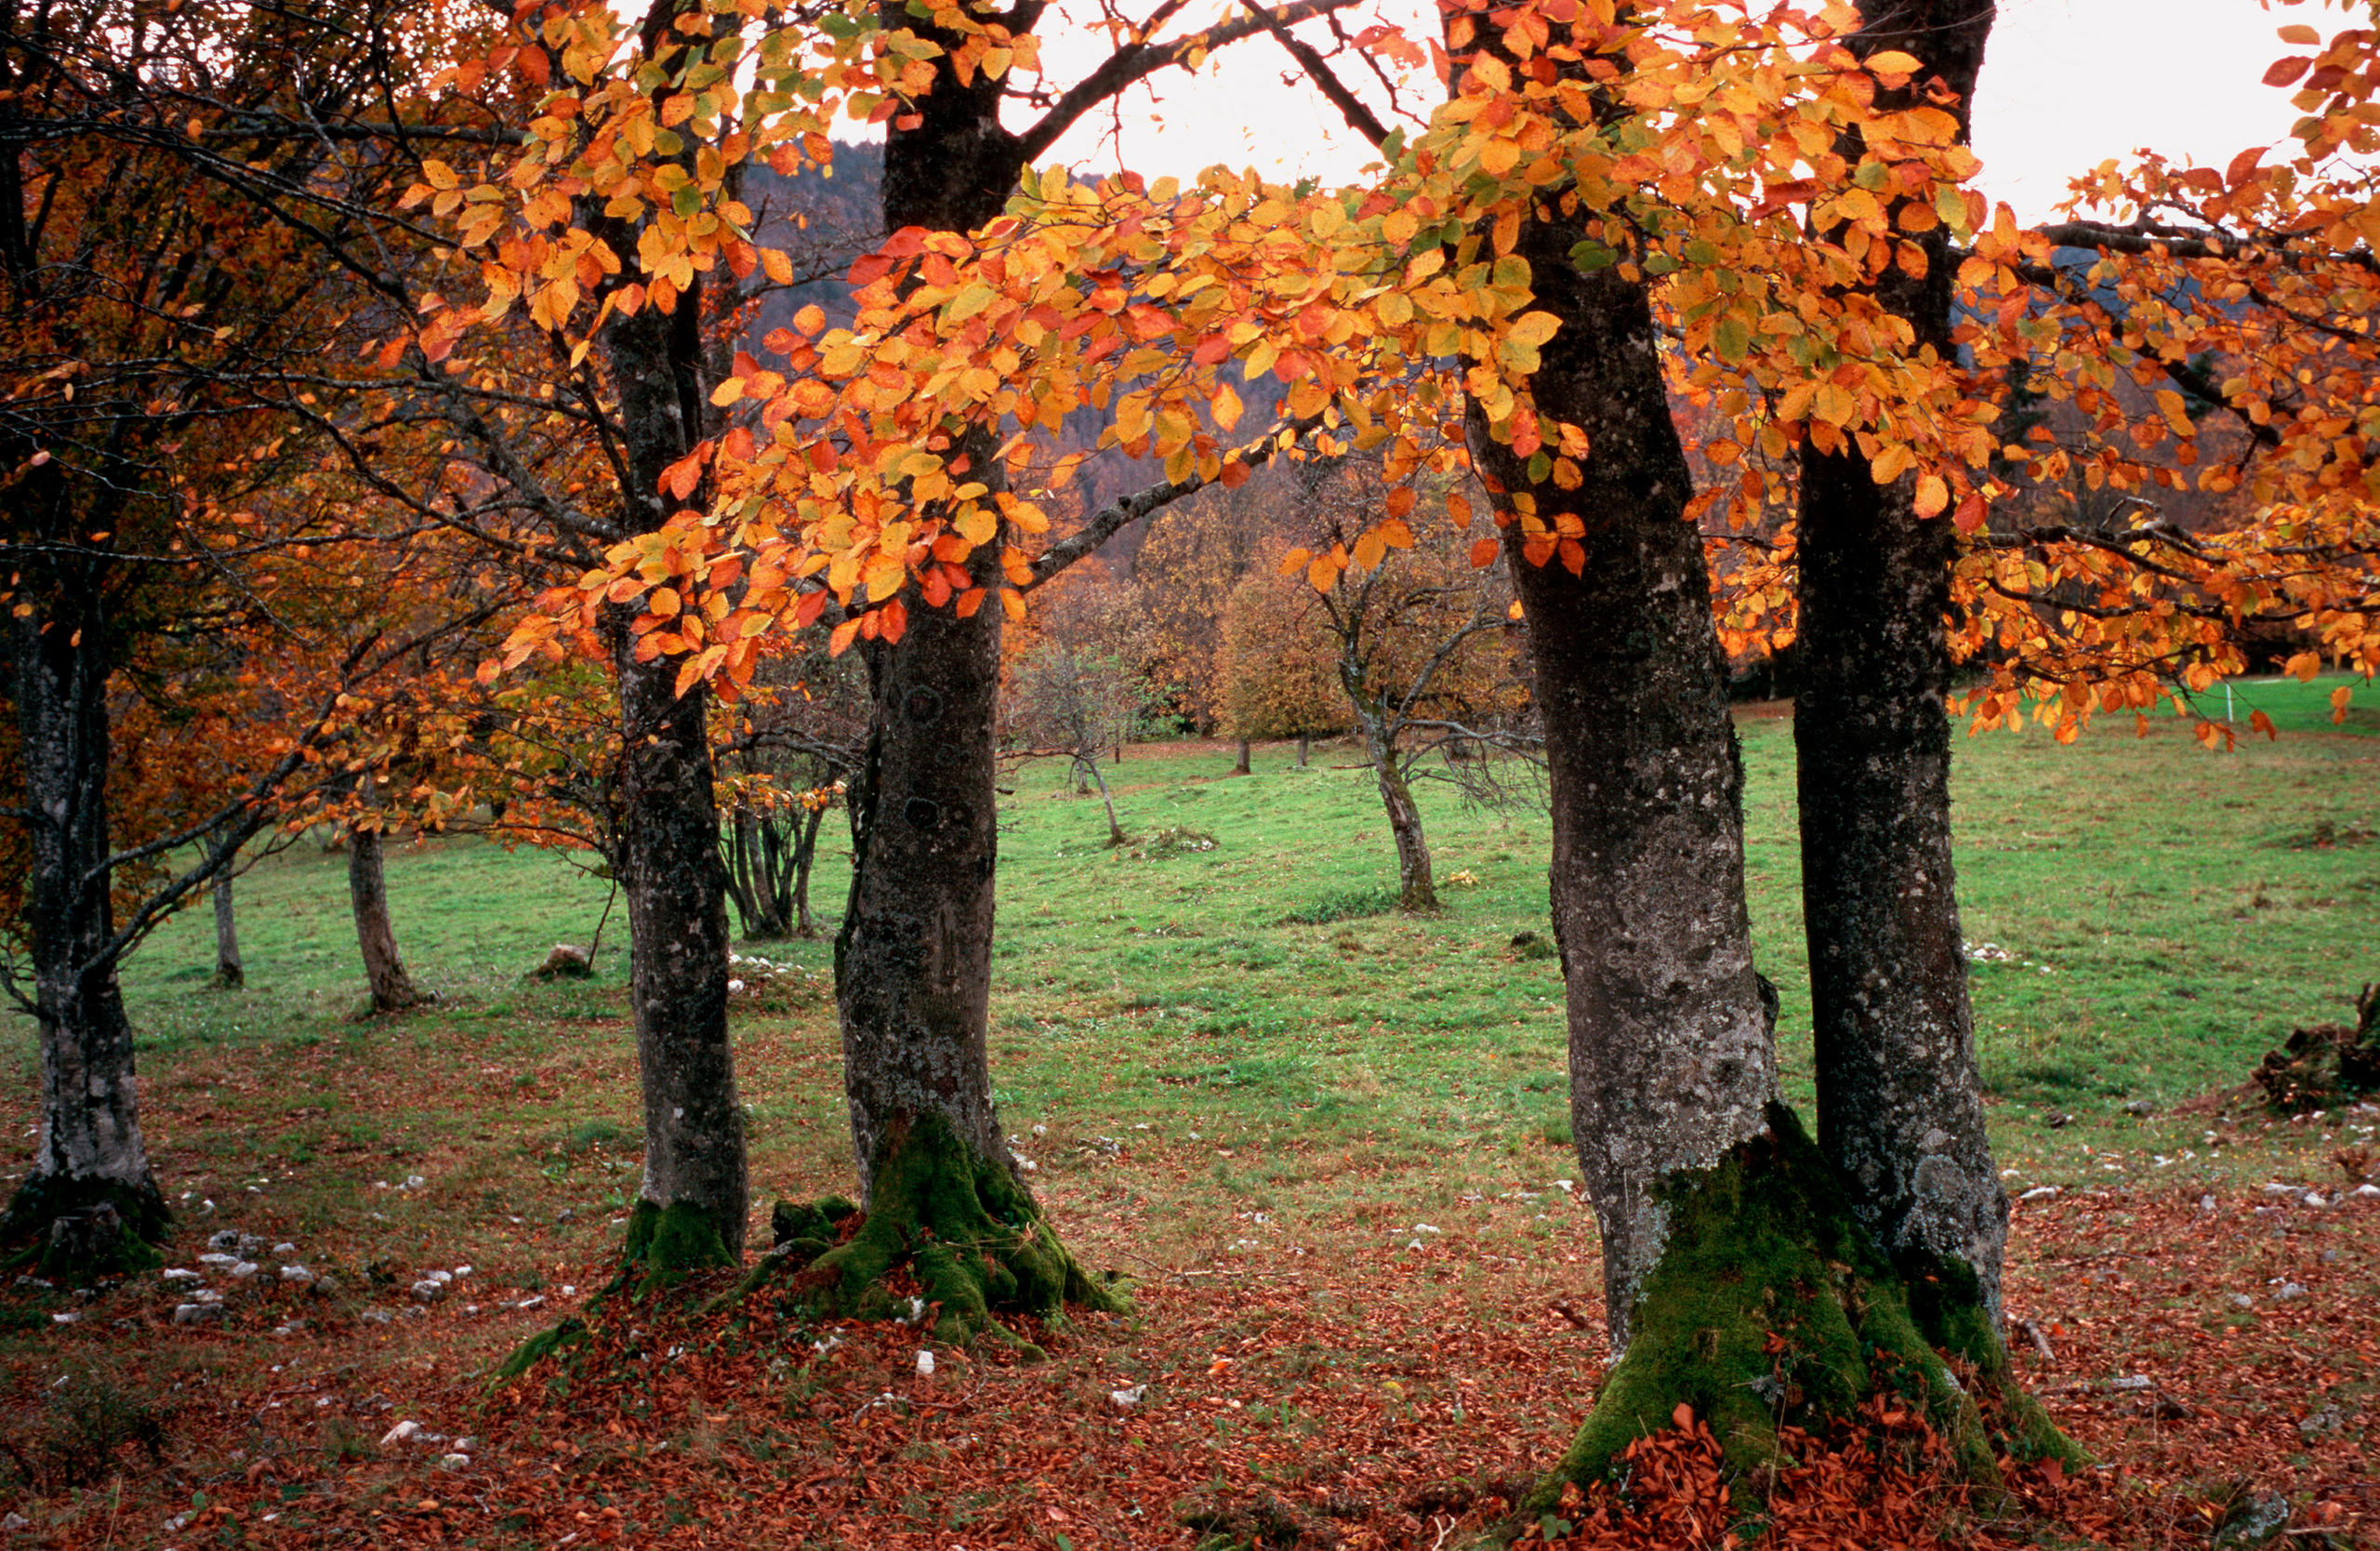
<point x="1306" y="746"/>
<point x="1737" y="1282"/>
<point x="1415" y="888"/>
<point x="90" y="1204"/>
<point x="1899" y="1110"/>
<point x="805" y="853"/>
<point x="1241" y="767"/>
<point x="1115" y="835"/>
<point x="1671" y="1062"/>
<point x="750" y="878"/>
<point x="229" y="974"/>
<point x="367" y="892"/>
<point x="913" y="960"/>
<point x="690" y="1210"/>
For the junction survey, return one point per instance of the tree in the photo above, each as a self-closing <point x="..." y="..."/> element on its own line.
<point x="1899" y="1103"/>
<point x="368" y="895"/>
<point x="161" y="537"/>
<point x="1410" y="629"/>
<point x="803" y="730"/>
<point x="1276" y="664"/>
<point x="1072" y="693"/>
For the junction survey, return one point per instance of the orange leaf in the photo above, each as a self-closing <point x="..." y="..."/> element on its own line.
<point x="1684" y="1417"/>
<point x="1931" y="496"/>
<point x="844" y="634"/>
<point x="1482" y="553"/>
<point x="896" y="622"/>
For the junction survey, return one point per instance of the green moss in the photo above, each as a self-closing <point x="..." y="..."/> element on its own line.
<point x="973" y="1237"/>
<point x="665" y="1243"/>
<point x="91" y="1247"/>
<point x="545" y="1343"/>
<point x="1769" y="1305"/>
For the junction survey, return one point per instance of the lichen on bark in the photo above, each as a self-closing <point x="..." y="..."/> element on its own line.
<point x="962" y="1225"/>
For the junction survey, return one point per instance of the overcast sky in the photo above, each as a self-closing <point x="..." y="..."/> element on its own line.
<point x="2067" y="83"/>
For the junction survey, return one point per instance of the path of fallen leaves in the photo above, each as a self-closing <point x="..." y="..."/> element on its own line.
<point x="1389" y="1403"/>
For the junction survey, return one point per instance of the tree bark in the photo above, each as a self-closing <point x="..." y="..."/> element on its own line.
<point x="805" y="853"/>
<point x="1899" y="1111"/>
<point x="1306" y="746"/>
<point x="1671" y="1060"/>
<point x="913" y="958"/>
<point x="90" y="1202"/>
<point x="913" y="967"/>
<point x="1415" y="888"/>
<point x="1241" y="767"/>
<point x="690" y="1210"/>
<point x="230" y="975"/>
<point x="367" y="894"/>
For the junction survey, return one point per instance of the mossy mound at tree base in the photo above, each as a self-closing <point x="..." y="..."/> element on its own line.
<point x="970" y="1236"/>
<point x="1771" y="1308"/>
<point x="1881" y="1475"/>
<point x="2328" y="1065"/>
<point x="77" y="1231"/>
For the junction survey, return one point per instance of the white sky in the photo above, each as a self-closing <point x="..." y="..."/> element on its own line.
<point x="2067" y="83"/>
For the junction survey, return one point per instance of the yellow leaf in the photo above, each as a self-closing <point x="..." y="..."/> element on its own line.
<point x="727" y="392"/>
<point x="1294" y="561"/>
<point x="1892" y="61"/>
<point x="1931" y="495"/>
<point x="976" y="524"/>
<point x="2169" y="404"/>
<point x="1013" y="602"/>
<point x="1370" y="550"/>
<point x="776" y="266"/>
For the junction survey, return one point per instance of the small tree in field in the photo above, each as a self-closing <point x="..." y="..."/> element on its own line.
<point x="1412" y="635"/>
<point x="1071" y="692"/>
<point x="1278" y="665"/>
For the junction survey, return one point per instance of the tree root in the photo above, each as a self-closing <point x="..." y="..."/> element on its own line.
<point x="972" y="1237"/>
<point x="77" y="1231"/>
<point x="1770" y="1309"/>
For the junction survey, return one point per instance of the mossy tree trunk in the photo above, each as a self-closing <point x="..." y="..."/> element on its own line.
<point x="690" y="1208"/>
<point x="1737" y="1279"/>
<point x="913" y="966"/>
<point x="91" y="1203"/>
<point x="375" y="939"/>
<point x="1899" y="1111"/>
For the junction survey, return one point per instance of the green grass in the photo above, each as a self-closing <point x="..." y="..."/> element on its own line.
<point x="2168" y="915"/>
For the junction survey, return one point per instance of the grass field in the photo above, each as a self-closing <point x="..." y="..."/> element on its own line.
<point x="1230" y="1059"/>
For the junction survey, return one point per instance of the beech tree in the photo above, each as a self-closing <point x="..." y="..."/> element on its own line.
<point x="159" y="508"/>
<point x="1900" y="1100"/>
<point x="1411" y="632"/>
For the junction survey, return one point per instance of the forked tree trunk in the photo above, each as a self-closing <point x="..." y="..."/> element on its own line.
<point x="90" y="1204"/>
<point x="368" y="892"/>
<point x="230" y="975"/>
<point x="1899" y="1110"/>
<point x="1737" y="1281"/>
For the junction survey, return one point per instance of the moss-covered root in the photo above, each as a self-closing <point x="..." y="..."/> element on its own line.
<point x="1770" y="1306"/>
<point x="665" y="1243"/>
<point x="973" y="1237"/>
<point x="78" y="1230"/>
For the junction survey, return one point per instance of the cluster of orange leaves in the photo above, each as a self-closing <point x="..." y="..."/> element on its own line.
<point x="1734" y="158"/>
